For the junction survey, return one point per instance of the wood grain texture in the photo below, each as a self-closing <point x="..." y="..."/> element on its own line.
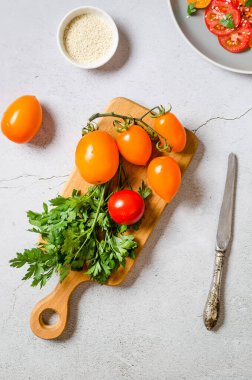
<point x="58" y="300"/>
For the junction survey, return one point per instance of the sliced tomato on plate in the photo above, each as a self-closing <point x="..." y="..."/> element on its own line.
<point x="246" y="13"/>
<point x="238" y="40"/>
<point x="235" y="3"/>
<point x="216" y="11"/>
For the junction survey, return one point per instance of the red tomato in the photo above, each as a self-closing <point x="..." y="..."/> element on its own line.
<point x="238" y="40"/>
<point x="135" y="145"/>
<point x="97" y="157"/>
<point x="215" y="12"/>
<point x="22" y="119"/>
<point x="164" y="177"/>
<point x="172" y="130"/>
<point x="234" y="2"/>
<point x="126" y="207"/>
<point x="246" y="12"/>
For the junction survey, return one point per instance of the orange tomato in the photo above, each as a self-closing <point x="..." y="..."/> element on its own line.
<point x="22" y="119"/>
<point x="172" y="130"/>
<point x="97" y="157"/>
<point x="164" y="176"/>
<point x="200" y="3"/>
<point x="135" y="145"/>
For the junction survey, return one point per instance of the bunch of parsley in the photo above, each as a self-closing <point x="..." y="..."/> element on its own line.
<point x="77" y="232"/>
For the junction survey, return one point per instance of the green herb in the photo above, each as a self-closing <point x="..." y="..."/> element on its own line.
<point x="144" y="191"/>
<point x="191" y="9"/>
<point x="248" y="3"/>
<point x="77" y="232"/>
<point x="227" y="21"/>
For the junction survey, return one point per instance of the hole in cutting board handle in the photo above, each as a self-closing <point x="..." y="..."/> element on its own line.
<point x="49" y="318"/>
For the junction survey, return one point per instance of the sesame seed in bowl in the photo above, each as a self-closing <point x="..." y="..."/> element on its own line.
<point x="88" y="37"/>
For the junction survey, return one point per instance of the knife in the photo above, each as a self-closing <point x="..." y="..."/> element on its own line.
<point x="223" y="238"/>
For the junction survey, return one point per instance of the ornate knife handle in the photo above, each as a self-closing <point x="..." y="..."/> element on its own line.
<point x="212" y="308"/>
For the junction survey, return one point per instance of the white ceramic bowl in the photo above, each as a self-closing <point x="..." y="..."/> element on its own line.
<point x="78" y="12"/>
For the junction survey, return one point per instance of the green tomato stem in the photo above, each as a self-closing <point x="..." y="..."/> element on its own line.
<point x="138" y="121"/>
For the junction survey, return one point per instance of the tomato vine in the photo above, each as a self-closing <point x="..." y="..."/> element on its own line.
<point x="122" y="123"/>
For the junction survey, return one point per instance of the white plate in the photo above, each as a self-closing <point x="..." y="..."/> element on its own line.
<point x="205" y="43"/>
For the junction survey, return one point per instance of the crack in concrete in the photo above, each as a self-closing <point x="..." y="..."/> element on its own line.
<point x="20" y="176"/>
<point x="9" y="187"/>
<point x="12" y="306"/>
<point x="30" y="175"/>
<point x="15" y="298"/>
<point x="53" y="176"/>
<point x="221" y="118"/>
<point x="33" y="176"/>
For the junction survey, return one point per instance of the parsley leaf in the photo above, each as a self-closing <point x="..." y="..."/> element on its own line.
<point x="248" y="3"/>
<point x="77" y="233"/>
<point x="191" y="9"/>
<point x="41" y="265"/>
<point x="227" y="21"/>
<point x="144" y="191"/>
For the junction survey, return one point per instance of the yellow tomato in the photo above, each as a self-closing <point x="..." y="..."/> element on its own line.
<point x="164" y="177"/>
<point x="200" y="3"/>
<point x="172" y="130"/>
<point x="97" y="157"/>
<point x="135" y="145"/>
<point x="22" y="119"/>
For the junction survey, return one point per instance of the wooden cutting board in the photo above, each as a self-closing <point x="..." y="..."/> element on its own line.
<point x="58" y="300"/>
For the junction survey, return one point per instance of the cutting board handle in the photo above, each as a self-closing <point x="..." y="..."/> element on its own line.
<point x="58" y="302"/>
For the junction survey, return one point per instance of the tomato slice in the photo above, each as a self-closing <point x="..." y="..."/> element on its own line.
<point x="235" y="3"/>
<point x="215" y="12"/>
<point x="246" y="13"/>
<point x="238" y="40"/>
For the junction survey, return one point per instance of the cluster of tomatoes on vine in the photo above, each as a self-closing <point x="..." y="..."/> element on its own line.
<point x="136" y="141"/>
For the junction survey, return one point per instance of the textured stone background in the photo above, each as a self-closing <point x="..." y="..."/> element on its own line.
<point x="151" y="327"/>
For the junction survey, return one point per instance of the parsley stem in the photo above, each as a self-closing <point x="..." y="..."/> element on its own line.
<point x="91" y="229"/>
<point x="101" y="200"/>
<point x="119" y="174"/>
<point x="93" y="191"/>
<point x="126" y="178"/>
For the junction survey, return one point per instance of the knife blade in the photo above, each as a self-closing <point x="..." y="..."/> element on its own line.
<point x="223" y="238"/>
<point x="224" y="230"/>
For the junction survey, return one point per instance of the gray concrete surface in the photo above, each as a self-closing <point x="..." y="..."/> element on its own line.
<point x="151" y="327"/>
